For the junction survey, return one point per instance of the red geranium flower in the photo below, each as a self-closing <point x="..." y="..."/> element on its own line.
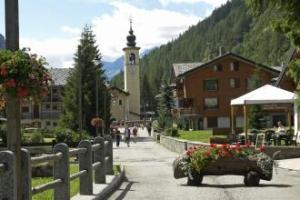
<point x="10" y="83"/>
<point x="22" y="92"/>
<point x="3" y="72"/>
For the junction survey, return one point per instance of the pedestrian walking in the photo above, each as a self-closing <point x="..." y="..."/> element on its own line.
<point x="149" y="129"/>
<point x="134" y="132"/>
<point x="127" y="135"/>
<point x="118" y="137"/>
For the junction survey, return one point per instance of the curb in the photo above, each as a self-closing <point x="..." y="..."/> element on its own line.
<point x="112" y="186"/>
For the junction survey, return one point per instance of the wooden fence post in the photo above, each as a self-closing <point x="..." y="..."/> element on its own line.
<point x="8" y="178"/>
<point x="99" y="156"/>
<point x="26" y="174"/>
<point x="85" y="163"/>
<point x="109" y="153"/>
<point x="61" y="171"/>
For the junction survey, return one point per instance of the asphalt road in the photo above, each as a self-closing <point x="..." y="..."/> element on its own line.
<point x="149" y="176"/>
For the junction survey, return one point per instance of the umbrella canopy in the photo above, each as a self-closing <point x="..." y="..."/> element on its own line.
<point x="266" y="94"/>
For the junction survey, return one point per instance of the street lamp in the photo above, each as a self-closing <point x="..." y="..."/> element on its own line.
<point x="97" y="62"/>
<point x="80" y="93"/>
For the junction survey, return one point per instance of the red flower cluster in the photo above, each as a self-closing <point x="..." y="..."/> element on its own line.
<point x="191" y="150"/>
<point x="11" y="83"/>
<point x="3" y="71"/>
<point x="23" y="75"/>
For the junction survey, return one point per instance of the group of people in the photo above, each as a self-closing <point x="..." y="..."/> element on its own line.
<point x="127" y="132"/>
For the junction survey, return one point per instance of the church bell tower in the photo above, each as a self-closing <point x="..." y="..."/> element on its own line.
<point x="132" y="76"/>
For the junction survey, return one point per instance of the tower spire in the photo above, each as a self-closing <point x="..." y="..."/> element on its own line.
<point x="131" y="37"/>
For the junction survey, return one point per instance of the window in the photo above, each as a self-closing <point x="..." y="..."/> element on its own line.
<point x="54" y="124"/>
<point x="210" y="85"/>
<point x="234" y="83"/>
<point x="48" y="123"/>
<point x="25" y="109"/>
<point x="46" y="107"/>
<point x="132" y="58"/>
<point x="55" y="107"/>
<point x="248" y="83"/>
<point x="54" y="90"/>
<point x="211" y="103"/>
<point x="212" y="122"/>
<point x="234" y="66"/>
<point x="120" y="102"/>
<point x="218" y="67"/>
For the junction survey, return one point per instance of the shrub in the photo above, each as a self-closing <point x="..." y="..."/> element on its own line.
<point x="36" y="137"/>
<point x="68" y="135"/>
<point x="173" y="132"/>
<point x="218" y="140"/>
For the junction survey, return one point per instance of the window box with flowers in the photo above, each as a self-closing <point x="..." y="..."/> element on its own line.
<point x="22" y="76"/>
<point x="224" y="160"/>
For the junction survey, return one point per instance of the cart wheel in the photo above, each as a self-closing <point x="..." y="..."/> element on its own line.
<point x="195" y="180"/>
<point x="252" y="178"/>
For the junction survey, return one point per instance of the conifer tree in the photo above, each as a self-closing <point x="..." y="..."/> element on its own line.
<point x="255" y="111"/>
<point x="87" y="67"/>
<point x="165" y="104"/>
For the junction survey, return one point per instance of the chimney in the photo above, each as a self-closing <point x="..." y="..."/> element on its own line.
<point x="220" y="51"/>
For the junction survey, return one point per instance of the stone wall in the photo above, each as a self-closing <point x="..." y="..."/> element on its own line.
<point x="179" y="146"/>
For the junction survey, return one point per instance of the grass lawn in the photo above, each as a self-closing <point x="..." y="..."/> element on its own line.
<point x="48" y="195"/>
<point x="48" y="140"/>
<point x="200" y="136"/>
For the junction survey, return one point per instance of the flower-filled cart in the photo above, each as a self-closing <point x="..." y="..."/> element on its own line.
<point x="224" y="160"/>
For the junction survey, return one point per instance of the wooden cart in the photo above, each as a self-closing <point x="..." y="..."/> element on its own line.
<point x="227" y="166"/>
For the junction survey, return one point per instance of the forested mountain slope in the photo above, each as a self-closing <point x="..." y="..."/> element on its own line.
<point x="230" y="27"/>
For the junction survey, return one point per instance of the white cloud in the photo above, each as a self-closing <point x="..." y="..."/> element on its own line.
<point x="56" y="50"/>
<point x="151" y="27"/>
<point x="71" y="30"/>
<point x="214" y="3"/>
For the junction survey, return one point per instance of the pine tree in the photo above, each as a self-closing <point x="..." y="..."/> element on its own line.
<point x="88" y="67"/>
<point x="255" y="111"/>
<point x="165" y="104"/>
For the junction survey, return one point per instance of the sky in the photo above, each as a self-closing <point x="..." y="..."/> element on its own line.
<point x="52" y="28"/>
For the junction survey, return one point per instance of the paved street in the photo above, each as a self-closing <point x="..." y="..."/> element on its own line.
<point x="149" y="173"/>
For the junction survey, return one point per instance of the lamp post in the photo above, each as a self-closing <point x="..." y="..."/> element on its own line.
<point x="80" y="93"/>
<point x="13" y="104"/>
<point x="96" y="62"/>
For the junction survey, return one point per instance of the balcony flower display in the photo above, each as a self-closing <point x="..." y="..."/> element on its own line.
<point x="22" y="75"/>
<point x="221" y="160"/>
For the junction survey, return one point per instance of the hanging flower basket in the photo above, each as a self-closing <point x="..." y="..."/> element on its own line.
<point x="23" y="76"/>
<point x="97" y="122"/>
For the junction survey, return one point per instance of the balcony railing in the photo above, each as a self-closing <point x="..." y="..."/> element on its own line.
<point x="42" y="115"/>
<point x="186" y="103"/>
<point x="179" y="112"/>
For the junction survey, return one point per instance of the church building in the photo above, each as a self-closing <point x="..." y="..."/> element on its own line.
<point x="126" y="102"/>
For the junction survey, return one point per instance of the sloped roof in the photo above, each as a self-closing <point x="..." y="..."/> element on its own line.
<point x="60" y="75"/>
<point x="232" y="55"/>
<point x="180" y="68"/>
<point x="294" y="54"/>
<point x="266" y="94"/>
<point x="119" y="90"/>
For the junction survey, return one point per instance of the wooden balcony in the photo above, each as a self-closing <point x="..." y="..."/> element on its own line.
<point x="184" y="112"/>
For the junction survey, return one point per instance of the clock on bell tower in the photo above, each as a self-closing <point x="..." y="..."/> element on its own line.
<point x="132" y="76"/>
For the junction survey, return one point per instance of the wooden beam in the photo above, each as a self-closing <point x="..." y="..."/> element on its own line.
<point x="245" y="122"/>
<point x="232" y="121"/>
